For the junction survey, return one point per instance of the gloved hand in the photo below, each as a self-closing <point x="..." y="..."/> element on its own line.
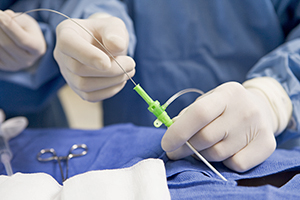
<point x="21" y="41"/>
<point x="233" y="123"/>
<point x="11" y="127"/>
<point x="86" y="67"/>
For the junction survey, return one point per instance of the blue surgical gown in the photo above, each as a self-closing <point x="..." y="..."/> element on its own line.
<point x="202" y="44"/>
<point x="182" y="44"/>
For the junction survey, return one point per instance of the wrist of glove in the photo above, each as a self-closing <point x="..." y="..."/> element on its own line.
<point x="232" y="123"/>
<point x="277" y="97"/>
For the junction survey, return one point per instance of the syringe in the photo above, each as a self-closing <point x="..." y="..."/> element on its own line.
<point x="5" y="154"/>
<point x="9" y="129"/>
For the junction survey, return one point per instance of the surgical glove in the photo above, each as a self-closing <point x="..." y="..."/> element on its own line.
<point x="12" y="127"/>
<point x="233" y="123"/>
<point x="85" y="65"/>
<point x="21" y="41"/>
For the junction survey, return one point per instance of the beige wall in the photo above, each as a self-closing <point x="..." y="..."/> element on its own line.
<point x="81" y="114"/>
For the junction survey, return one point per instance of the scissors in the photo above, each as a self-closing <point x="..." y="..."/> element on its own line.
<point x="41" y="156"/>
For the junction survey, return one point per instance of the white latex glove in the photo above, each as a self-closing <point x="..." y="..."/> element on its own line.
<point x="11" y="127"/>
<point x="86" y="67"/>
<point x="232" y="123"/>
<point x="21" y="41"/>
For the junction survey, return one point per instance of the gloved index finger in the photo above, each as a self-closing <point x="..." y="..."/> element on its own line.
<point x="10" y="27"/>
<point x="113" y="33"/>
<point x="72" y="44"/>
<point x="197" y="115"/>
<point x="115" y="39"/>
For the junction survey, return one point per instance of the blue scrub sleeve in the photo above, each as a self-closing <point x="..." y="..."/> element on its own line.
<point x="283" y="63"/>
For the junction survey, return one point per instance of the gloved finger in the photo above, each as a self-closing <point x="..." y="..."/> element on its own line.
<point x="12" y="57"/>
<point x="11" y="48"/>
<point x="77" y="68"/>
<point x="215" y="141"/>
<point x="197" y="116"/>
<point x="201" y="141"/>
<point x="74" y="66"/>
<point x="73" y="45"/>
<point x="100" y="95"/>
<point x="14" y="126"/>
<point x="10" y="13"/>
<point x="257" y="151"/>
<point x="91" y="84"/>
<point x="179" y="153"/>
<point x="224" y="135"/>
<point x="223" y="149"/>
<point x="22" y="35"/>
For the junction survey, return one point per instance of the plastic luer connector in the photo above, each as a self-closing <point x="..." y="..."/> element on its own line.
<point x="155" y="108"/>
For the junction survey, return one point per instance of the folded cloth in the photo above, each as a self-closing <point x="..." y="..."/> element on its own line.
<point x="36" y="186"/>
<point x="144" y="180"/>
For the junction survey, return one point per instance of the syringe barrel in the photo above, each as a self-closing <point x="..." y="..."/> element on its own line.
<point x="4" y="148"/>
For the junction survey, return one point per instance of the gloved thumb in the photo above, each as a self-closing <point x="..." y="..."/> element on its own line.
<point x="113" y="33"/>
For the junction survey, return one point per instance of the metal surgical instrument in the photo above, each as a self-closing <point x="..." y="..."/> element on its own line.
<point x="41" y="156"/>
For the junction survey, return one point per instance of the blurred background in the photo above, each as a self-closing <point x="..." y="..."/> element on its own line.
<point x="81" y="114"/>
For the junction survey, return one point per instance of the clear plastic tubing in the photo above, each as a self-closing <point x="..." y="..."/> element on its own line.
<point x="5" y="155"/>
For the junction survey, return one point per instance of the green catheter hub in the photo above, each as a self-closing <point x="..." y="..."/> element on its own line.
<point x="155" y="108"/>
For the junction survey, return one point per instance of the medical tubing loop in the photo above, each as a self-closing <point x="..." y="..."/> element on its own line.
<point x="180" y="93"/>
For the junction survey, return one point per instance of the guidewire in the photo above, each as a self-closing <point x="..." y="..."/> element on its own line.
<point x="154" y="106"/>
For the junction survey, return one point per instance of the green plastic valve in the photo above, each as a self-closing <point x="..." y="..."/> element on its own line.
<point x="155" y="108"/>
